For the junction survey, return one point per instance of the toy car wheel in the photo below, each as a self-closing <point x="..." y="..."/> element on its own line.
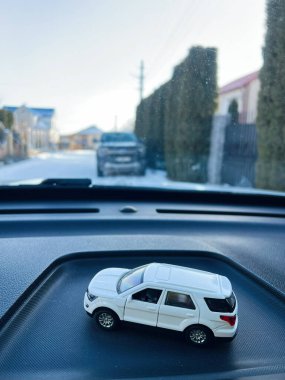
<point x="107" y="319"/>
<point x="199" y="335"/>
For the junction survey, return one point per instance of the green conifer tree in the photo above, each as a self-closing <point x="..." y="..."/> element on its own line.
<point x="270" y="172"/>
<point x="198" y="87"/>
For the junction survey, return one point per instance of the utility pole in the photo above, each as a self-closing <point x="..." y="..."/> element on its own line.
<point x="141" y="80"/>
<point x="116" y="123"/>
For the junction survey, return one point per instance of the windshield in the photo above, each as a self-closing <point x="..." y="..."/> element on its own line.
<point x="195" y="87"/>
<point x="131" y="279"/>
<point x="118" y="137"/>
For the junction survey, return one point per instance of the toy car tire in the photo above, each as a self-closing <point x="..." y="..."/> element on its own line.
<point x="198" y="335"/>
<point x="107" y="319"/>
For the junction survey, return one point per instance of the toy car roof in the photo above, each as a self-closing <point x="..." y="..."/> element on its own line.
<point x="184" y="277"/>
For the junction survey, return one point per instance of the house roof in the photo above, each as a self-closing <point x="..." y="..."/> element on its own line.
<point x="46" y="112"/>
<point x="239" y="83"/>
<point x="89" y="131"/>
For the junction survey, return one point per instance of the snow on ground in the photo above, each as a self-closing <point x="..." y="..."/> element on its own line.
<point x="72" y="164"/>
<point x="75" y="164"/>
<point x="78" y="164"/>
<point x="50" y="165"/>
<point x="82" y="164"/>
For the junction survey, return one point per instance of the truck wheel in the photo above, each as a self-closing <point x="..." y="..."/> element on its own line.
<point x="107" y="319"/>
<point x="198" y="335"/>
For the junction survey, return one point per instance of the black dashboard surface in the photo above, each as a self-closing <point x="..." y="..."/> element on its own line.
<point x="50" y="334"/>
<point x="36" y="233"/>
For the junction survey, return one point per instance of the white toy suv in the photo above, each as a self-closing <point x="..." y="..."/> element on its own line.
<point x="200" y="304"/>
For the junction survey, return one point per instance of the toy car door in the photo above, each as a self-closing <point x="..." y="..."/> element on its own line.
<point x="177" y="311"/>
<point x="142" y="307"/>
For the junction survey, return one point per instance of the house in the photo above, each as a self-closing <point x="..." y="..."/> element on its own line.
<point x="245" y="91"/>
<point x="233" y="150"/>
<point x="84" y="139"/>
<point x="35" y="128"/>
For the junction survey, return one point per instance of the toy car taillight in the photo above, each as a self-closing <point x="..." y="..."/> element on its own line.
<point x="230" y="319"/>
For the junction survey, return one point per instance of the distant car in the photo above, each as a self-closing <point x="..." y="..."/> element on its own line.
<point x="120" y="153"/>
<point x="200" y="304"/>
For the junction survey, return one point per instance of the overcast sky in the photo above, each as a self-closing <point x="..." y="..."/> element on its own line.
<point x="81" y="57"/>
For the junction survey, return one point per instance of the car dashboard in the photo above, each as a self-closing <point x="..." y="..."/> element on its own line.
<point x="53" y="241"/>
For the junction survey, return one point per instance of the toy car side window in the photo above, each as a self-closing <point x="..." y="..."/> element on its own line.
<point x="225" y="305"/>
<point x="179" y="300"/>
<point x="147" y="295"/>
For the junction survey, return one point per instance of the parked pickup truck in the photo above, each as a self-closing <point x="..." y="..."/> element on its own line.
<point x="120" y="153"/>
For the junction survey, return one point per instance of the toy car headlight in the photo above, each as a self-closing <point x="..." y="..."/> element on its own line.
<point x="90" y="296"/>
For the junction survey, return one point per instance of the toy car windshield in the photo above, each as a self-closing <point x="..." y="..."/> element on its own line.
<point x="131" y="279"/>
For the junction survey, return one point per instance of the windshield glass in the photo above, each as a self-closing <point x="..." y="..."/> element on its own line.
<point x="118" y="137"/>
<point x="195" y="87"/>
<point x="131" y="279"/>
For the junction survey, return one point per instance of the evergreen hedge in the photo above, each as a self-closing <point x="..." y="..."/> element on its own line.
<point x="270" y="173"/>
<point x="175" y="121"/>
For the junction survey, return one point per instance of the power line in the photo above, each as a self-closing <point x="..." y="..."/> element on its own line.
<point x="116" y="123"/>
<point x="175" y="41"/>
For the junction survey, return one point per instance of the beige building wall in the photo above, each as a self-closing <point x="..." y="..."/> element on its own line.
<point x="225" y="100"/>
<point x="247" y="98"/>
<point x="253" y="92"/>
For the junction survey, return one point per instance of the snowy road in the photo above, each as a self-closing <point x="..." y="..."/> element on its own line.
<point x="73" y="164"/>
<point x="82" y="164"/>
<point x="50" y="165"/>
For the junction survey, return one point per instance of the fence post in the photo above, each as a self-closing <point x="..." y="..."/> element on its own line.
<point x="218" y="132"/>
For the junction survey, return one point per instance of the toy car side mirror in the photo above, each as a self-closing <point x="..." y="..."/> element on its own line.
<point x="129" y="298"/>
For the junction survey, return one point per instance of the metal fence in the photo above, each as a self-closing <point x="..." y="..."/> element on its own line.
<point x="239" y="155"/>
<point x="233" y="153"/>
